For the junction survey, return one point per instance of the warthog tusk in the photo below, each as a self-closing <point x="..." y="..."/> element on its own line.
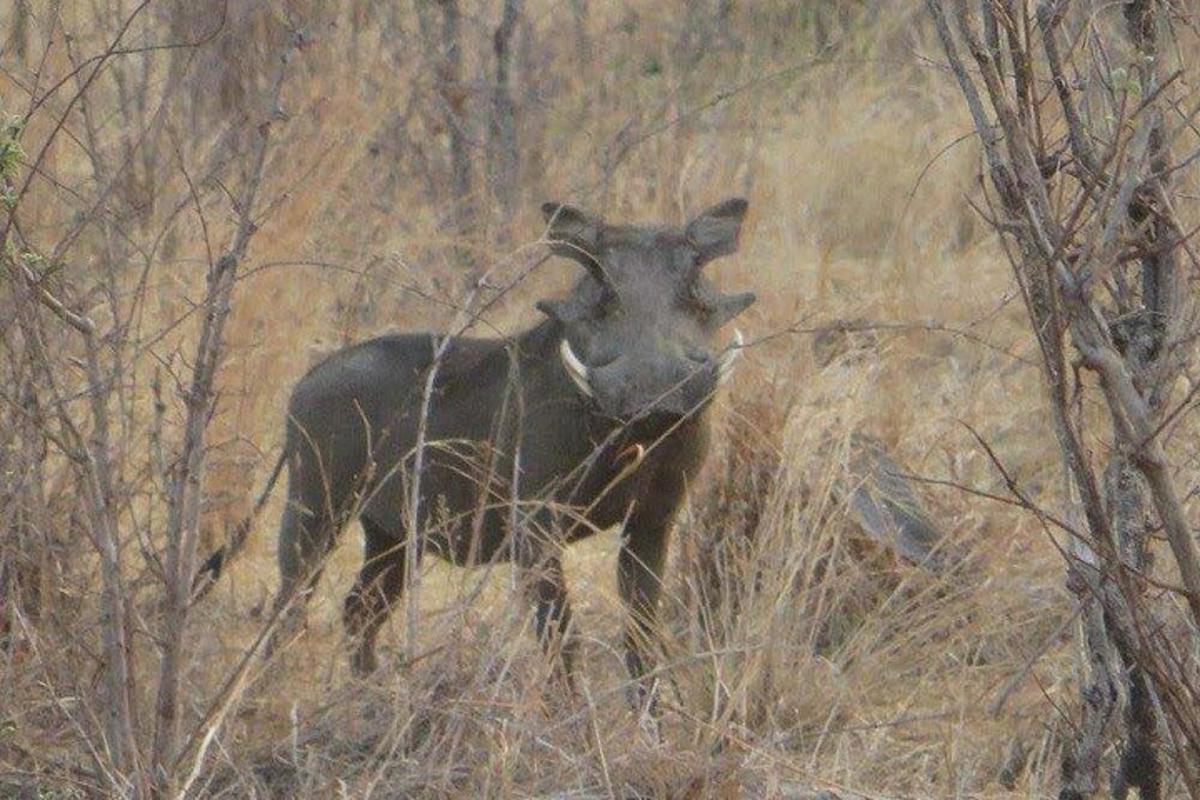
<point x="576" y="369"/>
<point x="636" y="450"/>
<point x="726" y="364"/>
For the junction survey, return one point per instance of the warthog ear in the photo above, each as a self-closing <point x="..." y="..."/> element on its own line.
<point x="561" y="310"/>
<point x="573" y="234"/>
<point x="729" y="306"/>
<point x="715" y="232"/>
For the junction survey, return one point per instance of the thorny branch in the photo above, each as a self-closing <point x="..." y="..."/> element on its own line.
<point x="187" y="477"/>
<point x="1070" y="259"/>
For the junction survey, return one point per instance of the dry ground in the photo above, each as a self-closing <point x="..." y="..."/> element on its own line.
<point x="841" y="669"/>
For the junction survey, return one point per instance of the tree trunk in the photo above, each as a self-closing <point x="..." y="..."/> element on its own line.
<point x="454" y="96"/>
<point x="503" y="156"/>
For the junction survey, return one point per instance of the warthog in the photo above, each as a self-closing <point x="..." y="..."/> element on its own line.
<point x="600" y="407"/>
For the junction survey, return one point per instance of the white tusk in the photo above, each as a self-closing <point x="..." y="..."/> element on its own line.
<point x="731" y="354"/>
<point x="576" y="369"/>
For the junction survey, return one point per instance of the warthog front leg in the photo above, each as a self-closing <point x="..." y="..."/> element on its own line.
<point x="543" y="574"/>
<point x="640" y="569"/>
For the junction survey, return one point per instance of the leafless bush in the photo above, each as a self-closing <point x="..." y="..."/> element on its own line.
<point x="1087" y="122"/>
<point x="80" y="251"/>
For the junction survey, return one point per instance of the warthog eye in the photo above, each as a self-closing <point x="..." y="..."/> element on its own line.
<point x="607" y="307"/>
<point x="698" y="302"/>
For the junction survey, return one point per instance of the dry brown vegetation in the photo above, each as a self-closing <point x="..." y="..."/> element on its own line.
<point x="826" y="664"/>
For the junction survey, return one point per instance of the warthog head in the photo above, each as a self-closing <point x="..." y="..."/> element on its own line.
<point x="640" y="328"/>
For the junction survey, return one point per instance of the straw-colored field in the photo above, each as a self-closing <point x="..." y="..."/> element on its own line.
<point x="833" y="665"/>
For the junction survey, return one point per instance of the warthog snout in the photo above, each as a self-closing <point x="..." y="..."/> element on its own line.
<point x="663" y="381"/>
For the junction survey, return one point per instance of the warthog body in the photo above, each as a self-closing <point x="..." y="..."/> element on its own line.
<point x="600" y="407"/>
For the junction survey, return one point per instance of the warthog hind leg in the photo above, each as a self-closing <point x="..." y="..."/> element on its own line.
<point x="305" y="539"/>
<point x="376" y="592"/>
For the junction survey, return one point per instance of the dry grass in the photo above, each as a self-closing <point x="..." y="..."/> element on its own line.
<point x="830" y="665"/>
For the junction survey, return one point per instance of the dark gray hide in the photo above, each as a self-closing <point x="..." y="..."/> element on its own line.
<point x="629" y="358"/>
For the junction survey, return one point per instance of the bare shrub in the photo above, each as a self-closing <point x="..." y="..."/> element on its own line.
<point x="1086" y="196"/>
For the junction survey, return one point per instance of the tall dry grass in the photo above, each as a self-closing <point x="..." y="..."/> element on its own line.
<point x="823" y="663"/>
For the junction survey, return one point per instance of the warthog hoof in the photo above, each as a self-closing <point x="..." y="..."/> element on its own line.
<point x="290" y="628"/>
<point x="643" y="696"/>
<point x="361" y="618"/>
<point x="363" y="660"/>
